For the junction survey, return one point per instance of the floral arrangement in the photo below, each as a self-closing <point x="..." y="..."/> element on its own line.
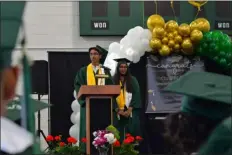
<point x="58" y="146"/>
<point x="104" y="139"/>
<point x="128" y="145"/>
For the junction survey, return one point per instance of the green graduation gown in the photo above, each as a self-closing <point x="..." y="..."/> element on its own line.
<point x="131" y="124"/>
<point x="81" y="79"/>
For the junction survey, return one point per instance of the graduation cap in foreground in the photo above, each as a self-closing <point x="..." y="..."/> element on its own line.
<point x="122" y="60"/>
<point x="101" y="51"/>
<point x="206" y="94"/>
<point x="14" y="108"/>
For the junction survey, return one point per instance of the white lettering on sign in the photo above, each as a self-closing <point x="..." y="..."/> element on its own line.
<point x="224" y="25"/>
<point x="100" y="25"/>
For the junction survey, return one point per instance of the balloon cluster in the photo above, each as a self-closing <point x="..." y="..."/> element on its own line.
<point x="132" y="46"/>
<point x="170" y="37"/>
<point x="75" y="118"/>
<point x="217" y="46"/>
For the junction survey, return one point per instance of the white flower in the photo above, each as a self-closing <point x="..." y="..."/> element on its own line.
<point x="94" y="133"/>
<point x="110" y="138"/>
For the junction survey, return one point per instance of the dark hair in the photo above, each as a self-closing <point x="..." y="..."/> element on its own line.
<point x="184" y="133"/>
<point x="127" y="77"/>
<point x="96" y="49"/>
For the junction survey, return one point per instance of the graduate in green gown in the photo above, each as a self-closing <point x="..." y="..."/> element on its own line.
<point x="206" y="104"/>
<point x="15" y="139"/>
<point x="86" y="76"/>
<point x="128" y="103"/>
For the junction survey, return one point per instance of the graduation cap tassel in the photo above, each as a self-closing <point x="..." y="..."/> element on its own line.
<point x="27" y="114"/>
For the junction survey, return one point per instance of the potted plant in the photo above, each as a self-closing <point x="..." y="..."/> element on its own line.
<point x="128" y="145"/>
<point x="60" y="147"/>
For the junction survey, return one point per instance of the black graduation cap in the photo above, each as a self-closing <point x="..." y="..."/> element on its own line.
<point x="122" y="60"/>
<point x="201" y="88"/>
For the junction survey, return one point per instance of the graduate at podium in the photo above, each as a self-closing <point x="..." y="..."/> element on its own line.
<point x="88" y="75"/>
<point x="127" y="118"/>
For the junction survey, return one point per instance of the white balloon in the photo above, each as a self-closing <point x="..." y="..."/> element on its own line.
<point x="74" y="131"/>
<point x="136" y="58"/>
<point x="114" y="47"/>
<point x="126" y="41"/>
<point x="75" y="117"/>
<point x="75" y="106"/>
<point x="147" y="34"/>
<point x="75" y="94"/>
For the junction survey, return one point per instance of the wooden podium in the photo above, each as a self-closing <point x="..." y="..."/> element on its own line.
<point x="99" y="110"/>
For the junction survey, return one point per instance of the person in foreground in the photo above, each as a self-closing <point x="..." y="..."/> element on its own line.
<point x="204" y="123"/>
<point x="87" y="76"/>
<point x="15" y="139"/>
<point x="127" y="116"/>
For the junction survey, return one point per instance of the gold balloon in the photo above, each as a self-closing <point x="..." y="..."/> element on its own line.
<point x="175" y="33"/>
<point x="158" y="32"/>
<point x="155" y="43"/>
<point x="187" y="44"/>
<point x="165" y="33"/>
<point x="176" y="47"/>
<point x="178" y="39"/>
<point x="165" y="40"/>
<point x="170" y="36"/>
<point x="154" y="21"/>
<point x="198" y="3"/>
<point x="165" y="50"/>
<point x="171" y="26"/>
<point x="196" y="35"/>
<point x="203" y="24"/>
<point x="184" y="30"/>
<point x="171" y="43"/>
<point x="193" y="25"/>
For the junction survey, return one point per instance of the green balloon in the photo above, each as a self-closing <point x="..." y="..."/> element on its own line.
<point x="200" y="50"/>
<point x="212" y="46"/>
<point x="205" y="46"/>
<point x="208" y="37"/>
<point x="225" y="45"/>
<point x="222" y="54"/>
<point x="229" y="65"/>
<point x="223" y="62"/>
<point x="216" y="34"/>
<point x="216" y="58"/>
<point x="229" y="57"/>
<point x="226" y="37"/>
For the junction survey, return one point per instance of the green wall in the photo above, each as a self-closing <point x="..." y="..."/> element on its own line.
<point x="115" y="14"/>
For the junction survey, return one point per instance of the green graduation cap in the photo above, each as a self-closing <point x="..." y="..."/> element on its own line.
<point x="10" y="20"/>
<point x="102" y="51"/>
<point x="206" y="94"/>
<point x="14" y="108"/>
<point x="220" y="140"/>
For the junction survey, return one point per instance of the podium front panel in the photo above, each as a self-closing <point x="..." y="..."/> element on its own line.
<point x="100" y="117"/>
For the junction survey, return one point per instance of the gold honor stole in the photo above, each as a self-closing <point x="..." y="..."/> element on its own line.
<point x="121" y="98"/>
<point x="90" y="75"/>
